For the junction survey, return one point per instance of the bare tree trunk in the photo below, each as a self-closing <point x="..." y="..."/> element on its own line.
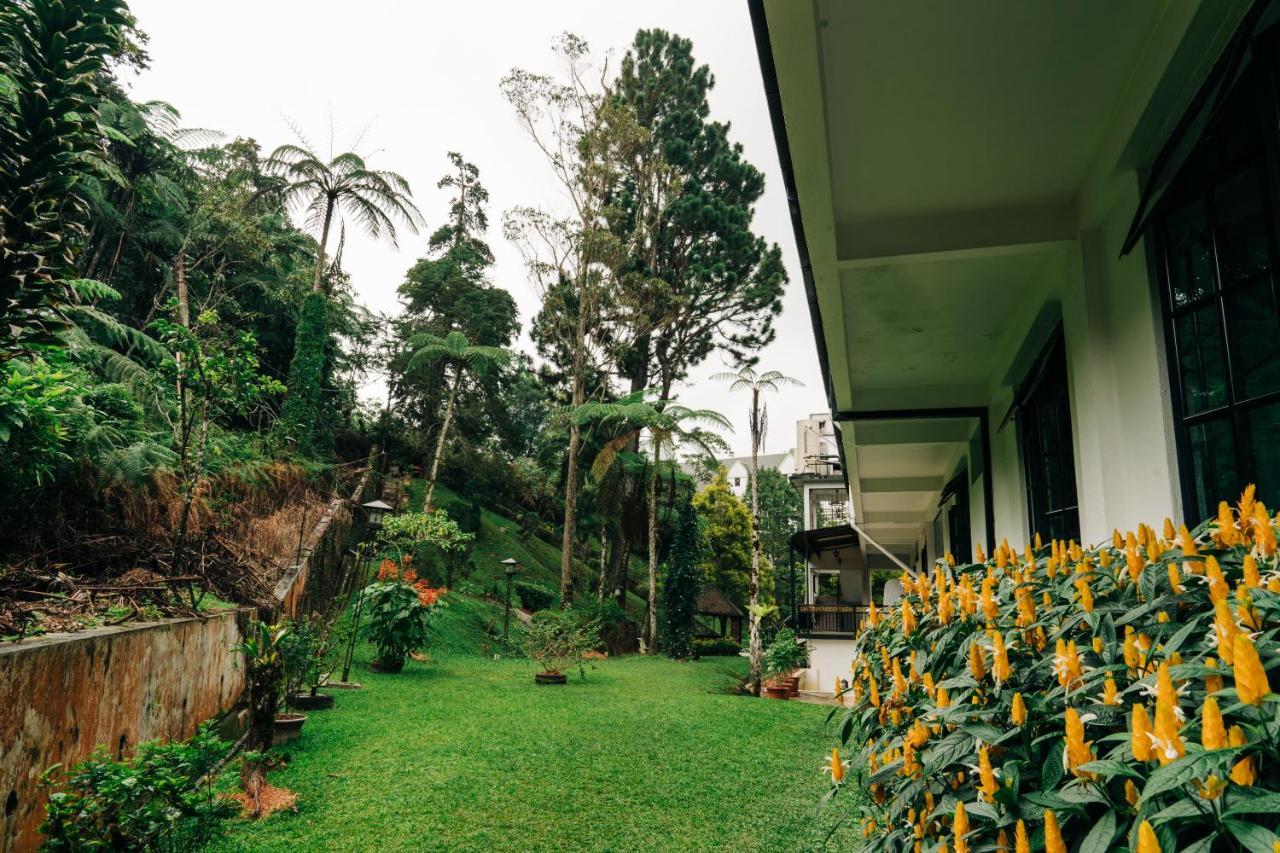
<point x="604" y="562"/>
<point x="575" y="441"/>
<point x="317" y="285"/>
<point x="652" y="628"/>
<point x="755" y="650"/>
<point x="185" y="420"/>
<point x="444" y="431"/>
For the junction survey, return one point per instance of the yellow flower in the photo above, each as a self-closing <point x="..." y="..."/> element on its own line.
<point x="1002" y="842"/>
<point x="900" y="685"/>
<point x="1098" y="645"/>
<point x="1213" y="735"/>
<point x="1066" y="664"/>
<point x="1079" y="750"/>
<point x="979" y="556"/>
<point x="1227" y="535"/>
<point x="1252" y="580"/>
<point x="1245" y="771"/>
<point x="960" y="826"/>
<point x="944" y="698"/>
<point x="989" y="607"/>
<point x="908" y="618"/>
<point x="1218" y="588"/>
<point x="1169" y="532"/>
<point x="1147" y="842"/>
<point x="873" y="690"/>
<point x="835" y="767"/>
<point x="1131" y="794"/>
<point x="1086" y="594"/>
<point x="917" y="735"/>
<point x="1133" y="562"/>
<point x="1110" y="695"/>
<point x="1053" y="842"/>
<point x="1026" y="608"/>
<point x="1225" y="631"/>
<point x="1212" y="683"/>
<point x="945" y="608"/>
<point x="1175" y="578"/>
<point x="1021" y="844"/>
<point x="928" y="684"/>
<point x="1251" y="677"/>
<point x="999" y="658"/>
<point x="1019" y="711"/>
<point x="1211" y="788"/>
<point x="977" y="666"/>
<point x="1168" y="741"/>
<point x="987" y="785"/>
<point x="873" y="615"/>
<point x="1140" y="727"/>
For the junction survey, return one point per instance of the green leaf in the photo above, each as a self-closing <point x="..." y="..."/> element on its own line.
<point x="1050" y="774"/>
<point x="1110" y="768"/>
<point x="1252" y="836"/>
<point x="1179" y="809"/>
<point x="1267" y="803"/>
<point x="1099" y="838"/>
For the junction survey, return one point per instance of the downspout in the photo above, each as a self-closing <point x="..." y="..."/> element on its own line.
<point x="882" y="549"/>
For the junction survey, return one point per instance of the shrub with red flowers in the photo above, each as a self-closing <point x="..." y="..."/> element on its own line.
<point x="1103" y="699"/>
<point x="398" y="607"/>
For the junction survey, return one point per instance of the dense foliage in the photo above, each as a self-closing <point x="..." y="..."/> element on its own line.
<point x="160" y="799"/>
<point x="681" y="584"/>
<point x="1116" y="697"/>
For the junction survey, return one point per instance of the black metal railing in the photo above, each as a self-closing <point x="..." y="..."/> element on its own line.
<point x="837" y="619"/>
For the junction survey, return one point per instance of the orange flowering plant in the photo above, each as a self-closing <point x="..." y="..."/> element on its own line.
<point x="1111" y="698"/>
<point x="398" y="607"/>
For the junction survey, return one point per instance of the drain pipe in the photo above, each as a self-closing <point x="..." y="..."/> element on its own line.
<point x="883" y="550"/>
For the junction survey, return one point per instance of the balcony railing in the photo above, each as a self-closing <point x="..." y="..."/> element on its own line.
<point x="830" y="619"/>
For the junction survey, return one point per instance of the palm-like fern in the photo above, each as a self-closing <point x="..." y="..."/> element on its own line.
<point x="454" y="352"/>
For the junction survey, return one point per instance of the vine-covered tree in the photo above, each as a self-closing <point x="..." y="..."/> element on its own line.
<point x="319" y="190"/>
<point x="681" y="585"/>
<point x="781" y="515"/>
<point x="726" y="562"/>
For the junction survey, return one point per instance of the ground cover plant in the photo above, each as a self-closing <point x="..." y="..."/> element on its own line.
<point x="1115" y="698"/>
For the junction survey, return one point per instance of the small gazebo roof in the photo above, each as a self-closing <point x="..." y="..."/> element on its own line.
<point x="713" y="602"/>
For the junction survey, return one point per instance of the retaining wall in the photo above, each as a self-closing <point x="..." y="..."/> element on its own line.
<point x="63" y="696"/>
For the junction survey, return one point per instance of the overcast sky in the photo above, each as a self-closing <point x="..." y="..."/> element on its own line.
<point x="421" y="79"/>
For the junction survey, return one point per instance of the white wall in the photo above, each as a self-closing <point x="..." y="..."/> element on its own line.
<point x="828" y="660"/>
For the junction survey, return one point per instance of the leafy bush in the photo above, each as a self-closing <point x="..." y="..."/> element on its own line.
<point x="719" y="647"/>
<point x="1111" y="697"/>
<point x="397" y="610"/>
<point x="534" y="597"/>
<point x="558" y="640"/>
<point x="785" y="654"/>
<point x="159" y="799"/>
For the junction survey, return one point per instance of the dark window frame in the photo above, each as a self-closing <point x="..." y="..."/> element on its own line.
<point x="1031" y="451"/>
<point x="1198" y="181"/>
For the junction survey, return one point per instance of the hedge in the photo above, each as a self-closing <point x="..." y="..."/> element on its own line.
<point x="721" y="646"/>
<point x="534" y="597"/>
<point x="1110" y="699"/>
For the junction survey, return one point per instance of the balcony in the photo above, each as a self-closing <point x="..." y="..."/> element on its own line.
<point x="830" y="621"/>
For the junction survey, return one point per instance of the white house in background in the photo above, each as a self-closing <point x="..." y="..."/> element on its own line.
<point x="1040" y="244"/>
<point x="738" y="468"/>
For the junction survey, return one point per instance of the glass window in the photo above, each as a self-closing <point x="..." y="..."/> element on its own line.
<point x="1047" y="447"/>
<point x="1217" y="246"/>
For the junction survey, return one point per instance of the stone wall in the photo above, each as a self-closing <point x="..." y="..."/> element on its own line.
<point x="63" y="696"/>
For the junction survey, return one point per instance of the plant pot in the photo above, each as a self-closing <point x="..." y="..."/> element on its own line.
<point x="551" y="678"/>
<point x="777" y="691"/>
<point x="288" y="728"/>
<point x="792" y="683"/>
<point x="308" y="702"/>
<point x="392" y="667"/>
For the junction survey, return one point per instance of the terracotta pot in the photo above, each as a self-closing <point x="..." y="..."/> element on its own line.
<point x="777" y="691"/>
<point x="288" y="728"/>
<point x="551" y="678"/>
<point x="380" y="666"/>
<point x="307" y="702"/>
<point x="792" y="683"/>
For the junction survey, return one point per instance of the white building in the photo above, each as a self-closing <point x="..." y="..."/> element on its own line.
<point x="1039" y="242"/>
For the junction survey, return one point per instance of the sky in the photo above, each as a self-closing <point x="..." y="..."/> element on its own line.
<point x="411" y="81"/>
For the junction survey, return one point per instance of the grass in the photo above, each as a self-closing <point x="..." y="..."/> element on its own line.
<point x="466" y="753"/>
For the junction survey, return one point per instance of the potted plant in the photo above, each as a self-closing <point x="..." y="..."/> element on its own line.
<point x="263" y="650"/>
<point x="309" y="653"/>
<point x="558" y="640"/>
<point x="398" y="608"/>
<point x="782" y="658"/>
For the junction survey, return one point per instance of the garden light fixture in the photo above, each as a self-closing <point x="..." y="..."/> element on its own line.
<point x="376" y="510"/>
<point x="510" y="565"/>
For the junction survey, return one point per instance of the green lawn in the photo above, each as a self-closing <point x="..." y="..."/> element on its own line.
<point x="466" y="753"/>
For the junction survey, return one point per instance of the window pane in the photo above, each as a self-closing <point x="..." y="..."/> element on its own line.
<point x="1255" y="340"/>
<point x="1190" y="253"/>
<point x="1261" y="428"/>
<point x="1243" y="250"/>
<point x="1204" y="374"/>
<point x="1213" y="460"/>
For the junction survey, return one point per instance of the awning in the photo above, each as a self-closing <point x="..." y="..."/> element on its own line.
<point x="811" y="542"/>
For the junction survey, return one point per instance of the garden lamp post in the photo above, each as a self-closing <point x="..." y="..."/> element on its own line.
<point x="375" y="511"/>
<point x="510" y="564"/>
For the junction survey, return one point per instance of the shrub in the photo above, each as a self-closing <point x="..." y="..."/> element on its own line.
<point x="1116" y="696"/>
<point x="159" y="799"/>
<point x="534" y="597"/>
<point x="397" y="610"/>
<point x="681" y="585"/>
<point x="558" y="640"/>
<point x="785" y="654"/>
<point x="719" y="647"/>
